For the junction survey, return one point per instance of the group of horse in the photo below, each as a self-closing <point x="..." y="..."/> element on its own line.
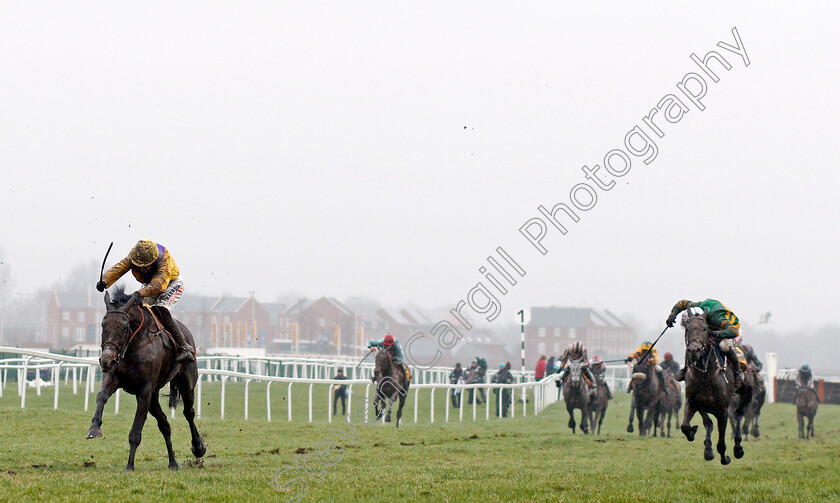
<point x="709" y="391"/>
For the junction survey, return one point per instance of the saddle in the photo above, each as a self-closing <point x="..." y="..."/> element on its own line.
<point x="155" y="328"/>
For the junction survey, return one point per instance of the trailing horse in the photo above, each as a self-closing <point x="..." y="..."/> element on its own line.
<point x="709" y="389"/>
<point x="576" y="396"/>
<point x="806" y="407"/>
<point x="670" y="403"/>
<point x="390" y="385"/>
<point x="751" y="381"/>
<point x="599" y="403"/>
<point x="138" y="356"/>
<point x="754" y="410"/>
<point x="645" y="398"/>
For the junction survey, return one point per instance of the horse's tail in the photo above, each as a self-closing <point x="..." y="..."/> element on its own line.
<point x="174" y="395"/>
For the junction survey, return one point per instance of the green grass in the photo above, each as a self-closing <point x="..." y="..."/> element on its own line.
<point x="43" y="456"/>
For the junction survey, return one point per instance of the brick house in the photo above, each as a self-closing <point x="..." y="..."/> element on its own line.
<point x="73" y="319"/>
<point x="553" y="329"/>
<point x="320" y="324"/>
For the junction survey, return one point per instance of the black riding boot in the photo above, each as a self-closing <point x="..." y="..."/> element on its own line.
<point x="680" y="375"/>
<point x="185" y="351"/>
<point x="732" y="357"/>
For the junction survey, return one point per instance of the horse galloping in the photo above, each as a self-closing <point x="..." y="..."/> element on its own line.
<point x="599" y="403"/>
<point x="670" y="403"/>
<point x="806" y="407"/>
<point x="646" y="396"/>
<point x="576" y="396"/>
<point x="390" y="385"/>
<point x="754" y="410"/>
<point x="709" y="388"/>
<point x="751" y="381"/>
<point x="138" y="357"/>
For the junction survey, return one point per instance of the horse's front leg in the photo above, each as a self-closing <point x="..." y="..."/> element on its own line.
<point x="399" y="411"/>
<point x="632" y="412"/>
<point x="585" y="419"/>
<point x="144" y="399"/>
<point x="571" y="412"/>
<point x="708" y="453"/>
<point x="109" y="386"/>
<point x="738" y="449"/>
<point x="801" y="420"/>
<point x="721" y="445"/>
<point x="688" y="430"/>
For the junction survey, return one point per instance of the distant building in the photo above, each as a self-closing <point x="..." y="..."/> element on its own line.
<point x="317" y="326"/>
<point x="553" y="329"/>
<point x="73" y="319"/>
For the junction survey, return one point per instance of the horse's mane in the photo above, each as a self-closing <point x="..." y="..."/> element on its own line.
<point x="119" y="297"/>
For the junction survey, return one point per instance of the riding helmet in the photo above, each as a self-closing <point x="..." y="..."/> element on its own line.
<point x="144" y="253"/>
<point x="389" y="339"/>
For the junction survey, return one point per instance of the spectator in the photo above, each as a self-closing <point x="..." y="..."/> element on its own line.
<point x="340" y="392"/>
<point x="549" y="366"/>
<point x="456" y="377"/>
<point x="539" y="370"/>
<point x="503" y="376"/>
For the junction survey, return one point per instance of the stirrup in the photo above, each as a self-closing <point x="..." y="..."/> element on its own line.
<point x="680" y="375"/>
<point x="184" y="356"/>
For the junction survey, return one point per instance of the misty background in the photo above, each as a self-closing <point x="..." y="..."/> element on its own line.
<point x="384" y="151"/>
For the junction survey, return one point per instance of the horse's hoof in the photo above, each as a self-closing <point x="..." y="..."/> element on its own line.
<point x="174" y="467"/>
<point x="129" y="469"/>
<point x="387" y="419"/>
<point x="708" y="455"/>
<point x="738" y="451"/>
<point x="199" y="451"/>
<point x="94" y="433"/>
<point x="688" y="432"/>
<point x="724" y="460"/>
<point x="629" y="428"/>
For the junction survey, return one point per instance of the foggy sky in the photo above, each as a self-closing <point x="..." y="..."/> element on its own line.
<point x="388" y="150"/>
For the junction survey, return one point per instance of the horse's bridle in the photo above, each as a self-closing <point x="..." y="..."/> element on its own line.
<point x="121" y="353"/>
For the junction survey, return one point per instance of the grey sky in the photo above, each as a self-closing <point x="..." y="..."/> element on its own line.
<point x="387" y="150"/>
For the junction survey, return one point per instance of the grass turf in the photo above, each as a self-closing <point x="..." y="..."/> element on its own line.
<point x="44" y="456"/>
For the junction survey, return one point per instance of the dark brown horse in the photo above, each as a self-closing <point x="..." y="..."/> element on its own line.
<point x="754" y="410"/>
<point x="576" y="396"/>
<point x="138" y="357"/>
<point x="646" y="396"/>
<point x="599" y="403"/>
<point x="670" y="403"/>
<point x="391" y="385"/>
<point x="709" y="388"/>
<point x="751" y="381"/>
<point x="806" y="407"/>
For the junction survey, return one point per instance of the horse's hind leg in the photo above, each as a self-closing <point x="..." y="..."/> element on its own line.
<point x="186" y="387"/>
<point x="109" y="386"/>
<point x="136" y="433"/>
<point x="708" y="454"/>
<point x="721" y="445"/>
<point x="163" y="426"/>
